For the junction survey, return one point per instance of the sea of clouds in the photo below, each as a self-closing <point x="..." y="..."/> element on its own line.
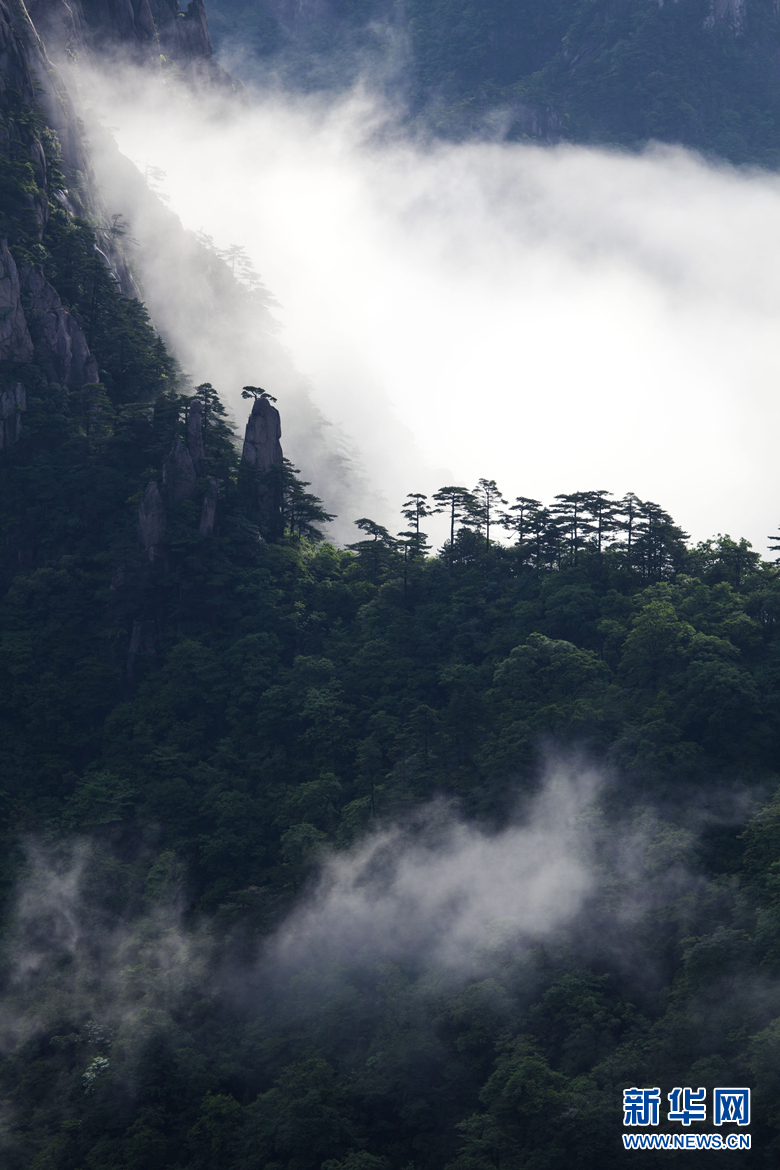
<point x="557" y="318"/>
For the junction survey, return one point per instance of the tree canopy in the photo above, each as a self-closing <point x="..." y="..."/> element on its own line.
<point x="186" y="737"/>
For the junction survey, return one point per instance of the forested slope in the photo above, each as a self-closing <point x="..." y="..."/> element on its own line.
<point x="167" y="793"/>
<point x="702" y="73"/>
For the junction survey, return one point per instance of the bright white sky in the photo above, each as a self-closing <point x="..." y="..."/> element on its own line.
<point x="556" y="319"/>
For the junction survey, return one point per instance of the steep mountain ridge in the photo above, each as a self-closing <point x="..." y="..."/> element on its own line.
<point x="146" y="31"/>
<point x="702" y="73"/>
<point x="45" y="170"/>
<point x="51" y="190"/>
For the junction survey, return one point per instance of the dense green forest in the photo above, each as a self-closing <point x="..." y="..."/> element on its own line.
<point x="703" y="74"/>
<point x="190" y="733"/>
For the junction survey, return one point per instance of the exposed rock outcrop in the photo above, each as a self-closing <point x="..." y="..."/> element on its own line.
<point x="13" y="403"/>
<point x="179" y="476"/>
<point x="28" y="77"/>
<point x="730" y="12"/>
<point x="21" y="62"/>
<point x="262" y="451"/>
<point x="208" y="512"/>
<point x="31" y="83"/>
<point x="157" y="25"/>
<point x="185" y="465"/>
<point x="148" y="31"/>
<point x="32" y="317"/>
<point x="57" y="334"/>
<point x="187" y="460"/>
<point x="195" y="436"/>
<point x="151" y="521"/>
<point x="59" y="23"/>
<point x="262" y="446"/>
<point x="15" y="341"/>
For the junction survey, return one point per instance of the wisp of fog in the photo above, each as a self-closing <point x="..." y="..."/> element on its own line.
<point x="445" y="898"/>
<point x="436" y="892"/>
<point x="558" y="319"/>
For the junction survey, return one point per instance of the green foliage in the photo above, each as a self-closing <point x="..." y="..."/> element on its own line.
<point x="215" y="719"/>
<point x="18" y="188"/>
<point x="133" y="362"/>
<point x="578" y="70"/>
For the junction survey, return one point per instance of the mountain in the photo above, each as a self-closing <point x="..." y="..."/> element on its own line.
<point x="73" y="233"/>
<point x="702" y="73"/>
<point x="364" y="858"/>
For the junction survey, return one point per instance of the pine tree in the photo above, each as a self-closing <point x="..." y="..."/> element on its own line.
<point x="602" y="515"/>
<point x="572" y="512"/>
<point x="414" y="510"/>
<point x="379" y="551"/>
<point x="460" y="503"/>
<point x="485" y="511"/>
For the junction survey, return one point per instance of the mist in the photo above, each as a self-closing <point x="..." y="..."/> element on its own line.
<point x="104" y="944"/>
<point x="95" y="935"/>
<point x="92" y="936"/>
<point x="408" y="956"/>
<point x="77" y="949"/>
<point x="556" y="318"/>
<point x="436" y="892"/>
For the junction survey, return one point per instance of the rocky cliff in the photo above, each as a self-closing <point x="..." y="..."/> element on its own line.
<point x="43" y="165"/>
<point x="261" y="453"/>
<point x="47" y="184"/>
<point x="186" y="476"/>
<point x="262" y="446"/>
<point x="730" y="12"/>
<point x="154" y="32"/>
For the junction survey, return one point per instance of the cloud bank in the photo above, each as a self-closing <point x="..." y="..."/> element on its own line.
<point x="557" y="318"/>
<point x="442" y="893"/>
<point x="100" y="953"/>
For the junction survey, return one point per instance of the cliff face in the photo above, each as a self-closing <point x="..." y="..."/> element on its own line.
<point x="45" y="172"/>
<point x="56" y="332"/>
<point x="159" y="25"/>
<point x="148" y="31"/>
<point x="15" y="341"/>
<point x="34" y="325"/>
<point x="730" y="12"/>
<point x="36" y="114"/>
<point x="35" y="105"/>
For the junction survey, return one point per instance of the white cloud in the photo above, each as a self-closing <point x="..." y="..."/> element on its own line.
<point x="556" y="318"/>
<point x="441" y="891"/>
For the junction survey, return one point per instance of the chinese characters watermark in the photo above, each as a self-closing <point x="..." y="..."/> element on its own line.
<point x="730" y="1106"/>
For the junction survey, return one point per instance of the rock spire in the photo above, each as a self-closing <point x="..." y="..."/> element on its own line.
<point x="263" y="451"/>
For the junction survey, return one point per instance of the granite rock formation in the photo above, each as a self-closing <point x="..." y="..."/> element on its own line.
<point x="185" y="465"/>
<point x="152" y="32"/>
<point x="263" y="451"/>
<point x="15" y="341"/>
<point x="13" y="403"/>
<point x="195" y="436"/>
<point x="179" y="476"/>
<point x="56" y="332"/>
<point x="151" y="522"/>
<point x="728" y="12"/>
<point x="187" y="460"/>
<point x="208" y="512"/>
<point x="34" y="323"/>
<point x="262" y="446"/>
